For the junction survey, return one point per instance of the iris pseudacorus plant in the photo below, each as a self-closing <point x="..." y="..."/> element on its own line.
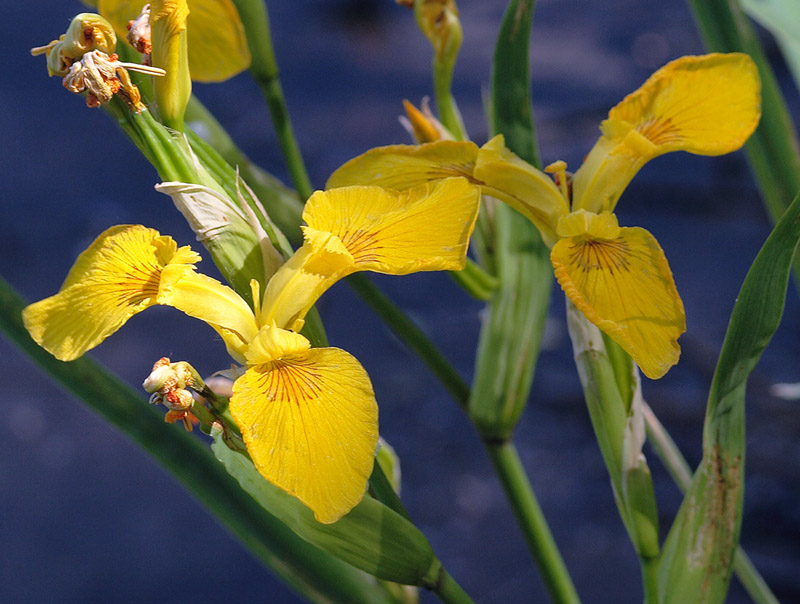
<point x="308" y="416"/>
<point x="618" y="277"/>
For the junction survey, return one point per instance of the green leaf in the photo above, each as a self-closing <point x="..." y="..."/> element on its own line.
<point x="697" y="556"/>
<point x="371" y="537"/>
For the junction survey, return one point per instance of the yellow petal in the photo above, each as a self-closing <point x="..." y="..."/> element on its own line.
<point x="295" y="287"/>
<point x="402" y="167"/>
<point x="426" y="228"/>
<point x="209" y="300"/>
<point x="620" y="280"/>
<point x="217" y="44"/>
<point x="504" y="175"/>
<point x="115" y="278"/>
<point x="708" y="105"/>
<point x="310" y="423"/>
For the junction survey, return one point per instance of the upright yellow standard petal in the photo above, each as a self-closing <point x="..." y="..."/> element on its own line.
<point x="426" y="228"/>
<point x="620" y="280"/>
<point x="402" y="167"/>
<point x="708" y="105"/>
<point x="504" y="175"/>
<point x="117" y="277"/>
<point x="217" y="43"/>
<point x="309" y="420"/>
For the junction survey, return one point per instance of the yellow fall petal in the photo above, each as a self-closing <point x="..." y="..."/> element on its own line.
<point x="115" y="278"/>
<point x="426" y="228"/>
<point x="310" y="422"/>
<point x="707" y="105"/>
<point x="217" y="43"/>
<point x="402" y="167"/>
<point x="504" y="175"/>
<point x="620" y="280"/>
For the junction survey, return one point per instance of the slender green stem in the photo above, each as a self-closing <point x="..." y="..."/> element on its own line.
<point x="264" y="69"/>
<point x="475" y="281"/>
<point x="408" y="331"/>
<point x="449" y="591"/>
<point x="530" y="517"/>
<point x="678" y="468"/>
<point x="650" y="579"/>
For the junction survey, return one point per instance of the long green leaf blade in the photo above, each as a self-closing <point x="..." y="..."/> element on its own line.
<point x="698" y="553"/>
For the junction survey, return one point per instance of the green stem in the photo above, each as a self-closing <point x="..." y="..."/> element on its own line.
<point x="678" y="468"/>
<point x="650" y="579"/>
<point x="475" y="281"/>
<point x="264" y="69"/>
<point x="449" y="591"/>
<point x="531" y="519"/>
<point x="408" y="331"/>
<point x="446" y="106"/>
<point x="321" y="577"/>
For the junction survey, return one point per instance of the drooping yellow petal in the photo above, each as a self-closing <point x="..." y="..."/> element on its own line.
<point x="115" y="278"/>
<point x="207" y="299"/>
<point x="309" y="420"/>
<point x="402" y="167"/>
<point x="620" y="280"/>
<point x="170" y="53"/>
<point x="708" y="105"/>
<point x="217" y="44"/>
<point x="504" y="175"/>
<point x="426" y="228"/>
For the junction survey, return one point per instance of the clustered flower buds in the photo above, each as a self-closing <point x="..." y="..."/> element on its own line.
<point x="168" y="384"/>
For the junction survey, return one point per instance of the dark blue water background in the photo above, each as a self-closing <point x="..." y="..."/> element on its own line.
<point x="88" y="518"/>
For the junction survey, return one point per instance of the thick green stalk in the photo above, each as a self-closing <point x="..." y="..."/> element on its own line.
<point x="678" y="468"/>
<point x="319" y="576"/>
<point x="449" y="591"/>
<point x="532" y="521"/>
<point x="772" y="150"/>
<point x="264" y="69"/>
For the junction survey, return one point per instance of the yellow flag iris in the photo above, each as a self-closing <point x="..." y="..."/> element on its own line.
<point x="308" y="416"/>
<point x="216" y="40"/>
<point x="618" y="277"/>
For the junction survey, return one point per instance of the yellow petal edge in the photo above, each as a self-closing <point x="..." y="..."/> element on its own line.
<point x="622" y="283"/>
<point x="310" y="423"/>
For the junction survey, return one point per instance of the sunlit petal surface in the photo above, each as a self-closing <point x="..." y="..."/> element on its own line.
<point x="708" y="105"/>
<point x="310" y="423"/>
<point x="402" y="167"/>
<point x="625" y="287"/>
<point x="217" y="44"/>
<point x="115" y="278"/>
<point x="425" y="228"/>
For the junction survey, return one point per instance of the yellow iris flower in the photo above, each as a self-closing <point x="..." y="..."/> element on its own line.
<point x="308" y="416"/>
<point x="216" y="41"/>
<point x="618" y="277"/>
